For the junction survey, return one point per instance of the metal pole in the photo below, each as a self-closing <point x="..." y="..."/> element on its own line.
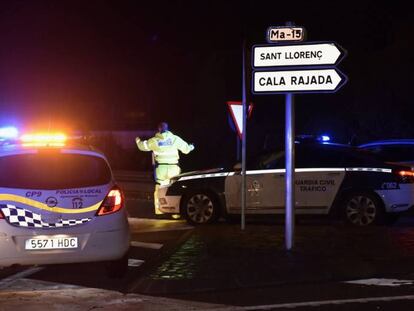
<point x="238" y="148"/>
<point x="290" y="171"/>
<point x="243" y="190"/>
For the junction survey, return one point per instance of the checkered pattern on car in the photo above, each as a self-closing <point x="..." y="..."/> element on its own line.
<point x="21" y="217"/>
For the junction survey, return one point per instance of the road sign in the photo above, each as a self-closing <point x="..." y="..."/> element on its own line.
<point x="298" y="81"/>
<point x="306" y="54"/>
<point x="320" y="77"/>
<point x="236" y="112"/>
<point x="284" y="34"/>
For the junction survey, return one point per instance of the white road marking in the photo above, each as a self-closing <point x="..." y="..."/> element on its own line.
<point x="83" y="298"/>
<point x="6" y="282"/>
<point x="382" y="282"/>
<point x="135" y="262"/>
<point x="314" y="303"/>
<point x="37" y="285"/>
<point x="146" y="245"/>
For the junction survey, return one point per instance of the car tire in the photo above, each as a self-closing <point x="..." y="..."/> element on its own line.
<point x="117" y="269"/>
<point x="200" y="207"/>
<point x="362" y="209"/>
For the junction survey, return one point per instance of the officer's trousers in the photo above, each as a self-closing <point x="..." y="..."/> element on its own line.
<point x="163" y="174"/>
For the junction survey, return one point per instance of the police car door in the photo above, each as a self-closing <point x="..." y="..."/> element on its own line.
<point x="233" y="185"/>
<point x="270" y="178"/>
<point x="318" y="177"/>
<point x="264" y="185"/>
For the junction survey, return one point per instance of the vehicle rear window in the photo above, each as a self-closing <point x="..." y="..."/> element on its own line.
<point x="52" y="170"/>
<point x="394" y="153"/>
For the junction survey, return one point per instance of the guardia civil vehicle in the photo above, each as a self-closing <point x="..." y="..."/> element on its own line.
<point x="399" y="151"/>
<point x="330" y="179"/>
<point x="59" y="204"/>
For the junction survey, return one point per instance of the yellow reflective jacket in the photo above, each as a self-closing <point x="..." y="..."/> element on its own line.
<point x="165" y="147"/>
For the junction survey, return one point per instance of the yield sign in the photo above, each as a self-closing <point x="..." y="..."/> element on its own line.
<point x="236" y="111"/>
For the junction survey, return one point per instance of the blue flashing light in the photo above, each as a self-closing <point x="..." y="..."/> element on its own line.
<point x="325" y="138"/>
<point x="9" y="132"/>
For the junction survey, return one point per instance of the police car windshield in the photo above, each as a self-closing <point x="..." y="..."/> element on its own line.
<point x="50" y="170"/>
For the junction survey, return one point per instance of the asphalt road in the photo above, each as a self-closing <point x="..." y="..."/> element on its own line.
<point x="156" y="243"/>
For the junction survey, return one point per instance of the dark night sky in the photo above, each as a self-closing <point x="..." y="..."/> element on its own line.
<point x="129" y="64"/>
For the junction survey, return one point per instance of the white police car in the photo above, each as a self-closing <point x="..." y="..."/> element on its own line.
<point x="330" y="179"/>
<point x="59" y="204"/>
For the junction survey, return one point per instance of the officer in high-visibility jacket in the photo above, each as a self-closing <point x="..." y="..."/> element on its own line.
<point x="165" y="146"/>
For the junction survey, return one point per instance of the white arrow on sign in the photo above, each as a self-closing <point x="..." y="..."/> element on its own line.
<point x="297" y="81"/>
<point x="312" y="54"/>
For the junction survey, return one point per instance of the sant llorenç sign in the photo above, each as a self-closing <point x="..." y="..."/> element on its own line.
<point x="305" y="54"/>
<point x="297" y="68"/>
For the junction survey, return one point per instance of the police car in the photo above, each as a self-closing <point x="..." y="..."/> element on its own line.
<point x="330" y="179"/>
<point x="392" y="150"/>
<point x="59" y="204"/>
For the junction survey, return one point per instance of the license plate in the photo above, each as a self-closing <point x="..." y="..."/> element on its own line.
<point x="51" y="243"/>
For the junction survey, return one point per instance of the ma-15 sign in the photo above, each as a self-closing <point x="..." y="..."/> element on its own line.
<point x="318" y="78"/>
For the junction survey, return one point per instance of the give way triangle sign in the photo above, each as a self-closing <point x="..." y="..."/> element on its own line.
<point x="236" y="112"/>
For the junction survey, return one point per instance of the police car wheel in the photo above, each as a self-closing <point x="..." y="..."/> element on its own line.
<point x="362" y="209"/>
<point x="117" y="269"/>
<point x="200" y="208"/>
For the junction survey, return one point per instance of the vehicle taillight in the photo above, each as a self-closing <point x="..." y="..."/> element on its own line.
<point x="113" y="202"/>
<point x="1" y="215"/>
<point x="406" y="176"/>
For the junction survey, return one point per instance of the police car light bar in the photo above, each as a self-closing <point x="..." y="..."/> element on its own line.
<point x="9" y="132"/>
<point x="312" y="138"/>
<point x="325" y="138"/>
<point x="43" y="140"/>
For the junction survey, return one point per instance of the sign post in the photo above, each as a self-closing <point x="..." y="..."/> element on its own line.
<point x="313" y="72"/>
<point x="244" y="103"/>
<point x="290" y="170"/>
